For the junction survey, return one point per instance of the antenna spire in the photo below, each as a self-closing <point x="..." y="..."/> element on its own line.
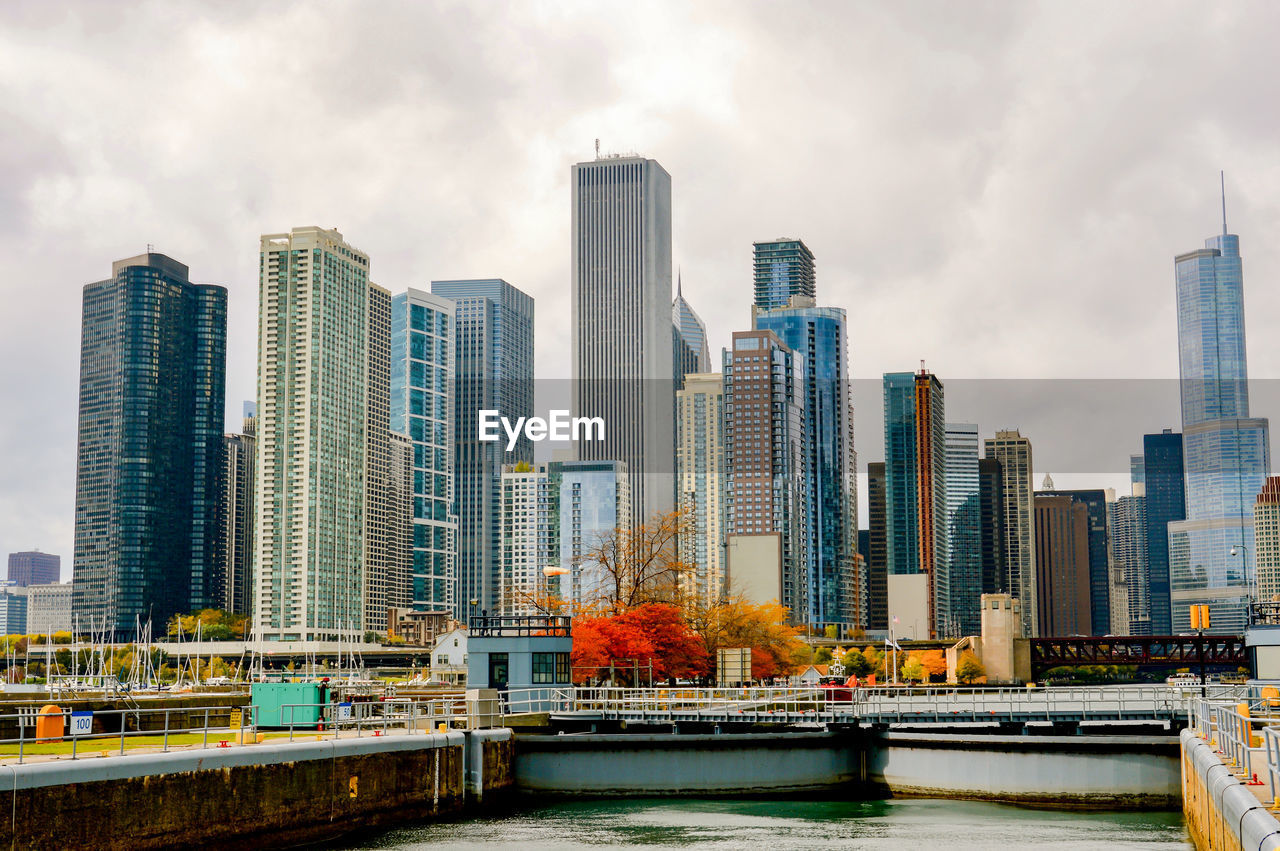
<point x="1222" y="179"/>
<point x="679" y="282"/>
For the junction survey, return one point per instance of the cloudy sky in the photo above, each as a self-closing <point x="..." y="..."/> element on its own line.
<point x="996" y="188"/>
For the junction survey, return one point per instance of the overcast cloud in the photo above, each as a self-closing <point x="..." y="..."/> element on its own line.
<point x="997" y="188"/>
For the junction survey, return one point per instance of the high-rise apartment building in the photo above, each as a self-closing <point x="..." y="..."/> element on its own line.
<point x="1164" y="482"/>
<point x="1062" y="565"/>
<point x="782" y="268"/>
<point x="1266" y="536"/>
<point x="493" y="370"/>
<point x="405" y="580"/>
<point x="1013" y="451"/>
<point x="964" y="529"/>
<point x="34" y="568"/>
<point x="323" y="355"/>
<point x="1129" y="553"/>
<point x="622" y="326"/>
<point x="1226" y="453"/>
<point x="995" y="569"/>
<point x="818" y="338"/>
<point x="766" y="472"/>
<point x="148" y="475"/>
<point x="594" y="502"/>
<point x="423" y="351"/>
<point x="915" y="489"/>
<point x="701" y="482"/>
<point x="236" y="516"/>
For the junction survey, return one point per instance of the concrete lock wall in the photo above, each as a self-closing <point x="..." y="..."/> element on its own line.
<point x="670" y="764"/>
<point x="1112" y="771"/>
<point x="248" y="796"/>
<point x="1222" y="814"/>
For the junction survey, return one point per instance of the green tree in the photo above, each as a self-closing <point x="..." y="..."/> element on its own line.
<point x="913" y="669"/>
<point x="856" y="663"/>
<point x="969" y="669"/>
<point x="822" y="656"/>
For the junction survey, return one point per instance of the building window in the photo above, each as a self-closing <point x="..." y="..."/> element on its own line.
<point x="544" y="668"/>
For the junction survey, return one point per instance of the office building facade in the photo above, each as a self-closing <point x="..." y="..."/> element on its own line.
<point x="149" y="467"/>
<point x="423" y="380"/>
<point x="34" y="568"/>
<point x="1131" y="590"/>
<point x="236" y="515"/>
<point x="622" y="326"/>
<point x="493" y="370"/>
<point x="1266" y="535"/>
<point x="1062" y="565"/>
<point x="49" y="608"/>
<point x="1164" y="484"/>
<point x="964" y="529"/>
<point x="1013" y="451"/>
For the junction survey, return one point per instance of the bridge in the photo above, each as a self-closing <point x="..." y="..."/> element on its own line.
<point x="1183" y="651"/>
<point x="877" y="707"/>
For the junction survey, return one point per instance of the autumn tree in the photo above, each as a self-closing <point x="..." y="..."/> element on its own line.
<point x="856" y="663"/>
<point x="935" y="664"/>
<point x="637" y="565"/>
<point x="822" y="656"/>
<point x="600" y="641"/>
<point x="913" y="669"/>
<point x="969" y="669"/>
<point x="736" y="622"/>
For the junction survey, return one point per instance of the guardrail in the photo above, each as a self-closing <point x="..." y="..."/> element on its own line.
<point x="1246" y="734"/>
<point x="123" y="726"/>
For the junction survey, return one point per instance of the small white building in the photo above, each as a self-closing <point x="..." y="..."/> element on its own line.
<point x="449" y="657"/>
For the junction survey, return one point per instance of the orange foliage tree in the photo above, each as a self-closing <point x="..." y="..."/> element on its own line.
<point x="650" y="632"/>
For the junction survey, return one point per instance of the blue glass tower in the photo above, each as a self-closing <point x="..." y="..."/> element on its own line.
<point x="422" y="383"/>
<point x="902" y="541"/>
<point x="819" y="336"/>
<point x="1165" y="483"/>
<point x="149" y="472"/>
<point x="1226" y="453"/>
<point x="493" y="370"/>
<point x="782" y="268"/>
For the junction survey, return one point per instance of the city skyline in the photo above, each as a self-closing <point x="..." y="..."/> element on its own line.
<point x="1130" y="194"/>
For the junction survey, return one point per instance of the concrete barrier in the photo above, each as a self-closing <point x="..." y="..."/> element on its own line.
<point x="269" y="793"/>
<point x="1222" y="813"/>
<point x="1118" y="772"/>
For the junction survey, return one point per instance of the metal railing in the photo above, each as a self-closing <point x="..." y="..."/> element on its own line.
<point x="122" y="726"/>
<point x="1246" y="734"/>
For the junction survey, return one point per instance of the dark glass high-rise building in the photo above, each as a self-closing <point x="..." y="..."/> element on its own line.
<point x="995" y="568"/>
<point x="877" y="559"/>
<point x="783" y="268"/>
<point x="1166" y="503"/>
<point x="149" y="466"/>
<point x="235" y="515"/>
<point x="493" y="370"/>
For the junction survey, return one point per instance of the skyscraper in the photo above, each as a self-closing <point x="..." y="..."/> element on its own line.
<point x="995" y="569"/>
<point x="493" y="370"/>
<point x="235" y="515"/>
<point x="34" y="568"/>
<point x="877" y="558"/>
<point x="964" y="529"/>
<point x="782" y="268"/>
<point x="1013" y="451"/>
<point x="1266" y="533"/>
<point x="1226" y="453"/>
<point x="691" y="335"/>
<point x="915" y="491"/>
<point x="423" y="350"/>
<point x="318" y="329"/>
<point x="818" y="337"/>
<point x="1095" y="502"/>
<point x="766" y="472"/>
<point x="530" y="538"/>
<point x="1062" y="565"/>
<point x="1166" y="502"/>
<point x="701" y="483"/>
<point x="622" y="328"/>
<point x="148" y="477"/>
<point x="1129" y="553"/>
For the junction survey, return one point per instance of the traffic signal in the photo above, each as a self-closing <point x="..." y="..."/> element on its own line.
<point x="1200" y="617"/>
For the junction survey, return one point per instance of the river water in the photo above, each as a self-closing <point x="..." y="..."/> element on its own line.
<point x="776" y="825"/>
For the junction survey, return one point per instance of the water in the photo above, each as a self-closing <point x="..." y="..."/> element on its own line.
<point x="724" y="823"/>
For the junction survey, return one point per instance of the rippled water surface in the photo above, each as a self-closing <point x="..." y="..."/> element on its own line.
<point x="776" y="825"/>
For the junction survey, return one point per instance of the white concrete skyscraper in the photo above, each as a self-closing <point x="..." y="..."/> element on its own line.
<point x="622" y="321"/>
<point x="319" y="329"/>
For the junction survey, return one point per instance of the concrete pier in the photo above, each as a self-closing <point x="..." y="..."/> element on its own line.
<point x="1223" y="812"/>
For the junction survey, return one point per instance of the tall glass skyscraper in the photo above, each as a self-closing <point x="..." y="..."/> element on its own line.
<point x="692" y="332"/>
<point x="818" y="336"/>
<point x="1164" y="481"/>
<point x="1226" y="453"/>
<point x="422" y="408"/>
<point x="149" y="469"/>
<point x="493" y="370"/>
<point x="782" y="268"/>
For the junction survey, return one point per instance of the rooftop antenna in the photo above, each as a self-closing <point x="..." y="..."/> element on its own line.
<point x="679" y="282"/>
<point x="922" y="369"/>
<point x="1222" y="179"/>
<point x="597" y="149"/>
<point x="150" y="248"/>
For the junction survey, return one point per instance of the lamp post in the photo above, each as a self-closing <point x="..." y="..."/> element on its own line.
<point x="471" y="613"/>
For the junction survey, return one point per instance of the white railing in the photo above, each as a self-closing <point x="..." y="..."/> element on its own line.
<point x="1246" y="734"/>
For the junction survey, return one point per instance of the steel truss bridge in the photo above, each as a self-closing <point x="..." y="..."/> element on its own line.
<point x="1142" y="650"/>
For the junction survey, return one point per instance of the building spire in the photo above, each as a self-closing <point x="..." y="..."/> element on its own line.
<point x="680" y="282"/>
<point x="1222" y="179"/>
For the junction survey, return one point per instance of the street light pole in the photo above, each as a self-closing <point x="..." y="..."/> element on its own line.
<point x="1253" y="580"/>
